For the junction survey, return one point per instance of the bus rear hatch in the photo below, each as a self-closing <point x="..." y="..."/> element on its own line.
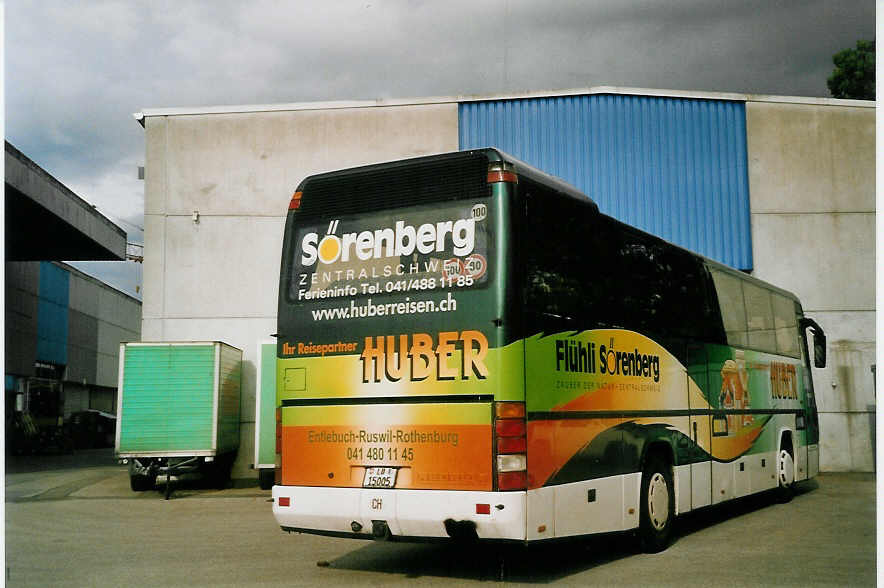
<point x="422" y="445"/>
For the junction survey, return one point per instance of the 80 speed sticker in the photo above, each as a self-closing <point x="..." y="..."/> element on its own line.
<point x="473" y="266"/>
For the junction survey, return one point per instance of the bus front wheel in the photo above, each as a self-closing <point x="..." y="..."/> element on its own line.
<point x="785" y="475"/>
<point x="657" y="505"/>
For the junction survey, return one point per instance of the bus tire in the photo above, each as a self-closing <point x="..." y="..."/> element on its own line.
<point x="657" y="511"/>
<point x="785" y="475"/>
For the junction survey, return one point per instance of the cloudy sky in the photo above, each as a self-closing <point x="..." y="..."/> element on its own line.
<point x="77" y="70"/>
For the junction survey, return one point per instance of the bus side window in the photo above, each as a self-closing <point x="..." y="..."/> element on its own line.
<point x="733" y="309"/>
<point x="685" y="309"/>
<point x="588" y="271"/>
<point x="759" y="318"/>
<point x="756" y="317"/>
<point x="554" y="261"/>
<point x="786" y="324"/>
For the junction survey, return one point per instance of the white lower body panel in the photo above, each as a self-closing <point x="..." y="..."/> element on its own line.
<point x="408" y="513"/>
<point x="801" y="464"/>
<point x="746" y="475"/>
<point x="600" y="505"/>
<point x="813" y="460"/>
<point x="682" y="479"/>
<point x="580" y="508"/>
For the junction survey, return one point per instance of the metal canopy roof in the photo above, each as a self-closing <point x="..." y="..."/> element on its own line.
<point x="46" y="221"/>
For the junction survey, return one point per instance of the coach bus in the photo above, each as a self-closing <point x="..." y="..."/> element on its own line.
<point x="468" y="348"/>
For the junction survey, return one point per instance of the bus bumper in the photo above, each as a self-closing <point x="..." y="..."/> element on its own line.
<point x="358" y="512"/>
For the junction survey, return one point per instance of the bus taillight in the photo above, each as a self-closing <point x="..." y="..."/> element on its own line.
<point x="512" y="481"/>
<point x="502" y="172"/>
<point x="510" y="428"/>
<point x="510" y="431"/>
<point x="511" y="445"/>
<point x="295" y="202"/>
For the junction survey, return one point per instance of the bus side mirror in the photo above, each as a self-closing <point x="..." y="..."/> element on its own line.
<point x="819" y="341"/>
<point x="819" y="349"/>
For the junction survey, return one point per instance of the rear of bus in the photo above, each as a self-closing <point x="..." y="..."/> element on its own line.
<point x="400" y="389"/>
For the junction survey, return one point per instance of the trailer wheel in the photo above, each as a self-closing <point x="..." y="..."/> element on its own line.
<point x="266" y="477"/>
<point x="657" y="505"/>
<point x="140" y="483"/>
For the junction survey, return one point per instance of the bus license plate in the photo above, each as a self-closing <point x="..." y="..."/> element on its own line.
<point x="379" y="478"/>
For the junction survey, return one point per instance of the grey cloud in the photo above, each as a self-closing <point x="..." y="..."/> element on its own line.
<point x="77" y="70"/>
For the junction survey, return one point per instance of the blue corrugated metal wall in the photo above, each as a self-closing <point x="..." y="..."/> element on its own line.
<point x="52" y="314"/>
<point x="673" y="167"/>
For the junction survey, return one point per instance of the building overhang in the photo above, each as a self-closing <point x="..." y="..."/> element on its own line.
<point x="45" y="220"/>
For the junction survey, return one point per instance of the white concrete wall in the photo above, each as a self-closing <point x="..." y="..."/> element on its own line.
<point x="812" y="193"/>
<point x="811" y="172"/>
<point x="217" y="279"/>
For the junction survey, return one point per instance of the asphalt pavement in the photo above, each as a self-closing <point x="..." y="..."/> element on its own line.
<point x="73" y="521"/>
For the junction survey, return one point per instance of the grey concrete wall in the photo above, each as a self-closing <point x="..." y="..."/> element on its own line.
<point x="76" y="398"/>
<point x="217" y="278"/>
<point x="82" y="349"/>
<point x="100" y="317"/>
<point x="812" y="194"/>
<point x="103" y="399"/>
<point x="22" y="282"/>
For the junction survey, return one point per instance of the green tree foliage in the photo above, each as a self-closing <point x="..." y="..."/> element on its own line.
<point x="854" y="73"/>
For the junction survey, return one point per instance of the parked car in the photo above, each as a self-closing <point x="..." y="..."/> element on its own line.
<point x="93" y="428"/>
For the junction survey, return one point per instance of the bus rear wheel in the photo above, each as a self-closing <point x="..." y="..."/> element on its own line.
<point x="657" y="506"/>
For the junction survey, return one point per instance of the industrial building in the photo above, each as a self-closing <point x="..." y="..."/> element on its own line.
<point x="781" y="187"/>
<point x="62" y="327"/>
